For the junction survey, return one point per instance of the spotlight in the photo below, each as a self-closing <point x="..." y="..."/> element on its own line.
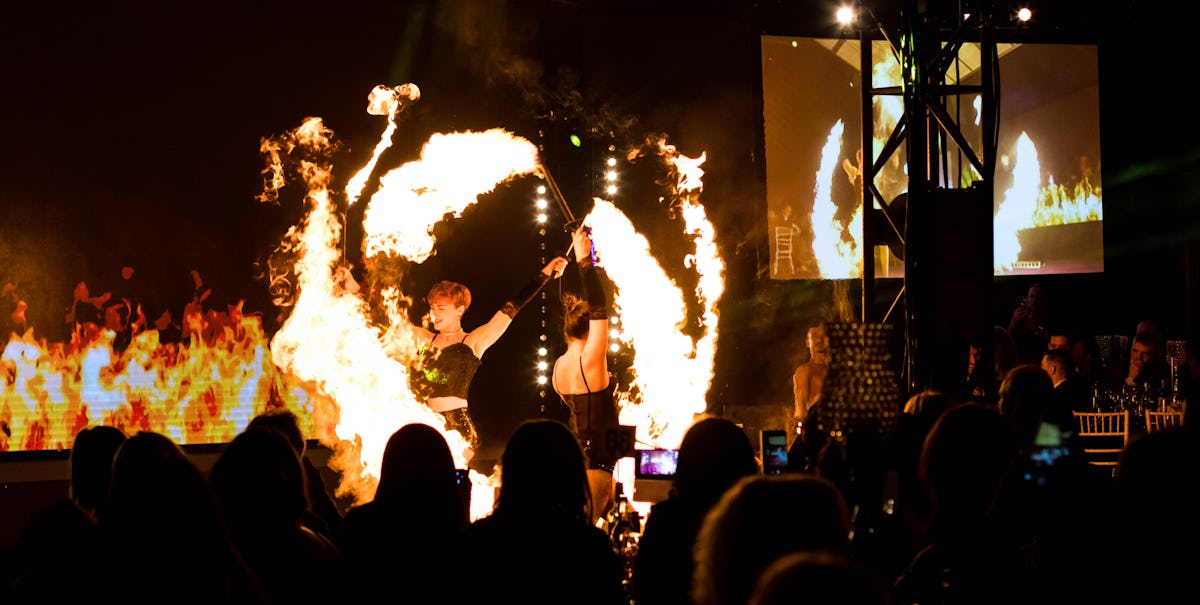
<point x="1024" y="14"/>
<point x="846" y="15"/>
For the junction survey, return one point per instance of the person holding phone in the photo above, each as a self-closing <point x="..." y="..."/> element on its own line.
<point x="581" y="377"/>
<point x="450" y="355"/>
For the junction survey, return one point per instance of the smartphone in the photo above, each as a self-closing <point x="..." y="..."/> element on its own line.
<point x="774" y="448"/>
<point x="657" y="463"/>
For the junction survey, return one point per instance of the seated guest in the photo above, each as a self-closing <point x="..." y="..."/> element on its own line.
<point x="1070" y="392"/>
<point x="1146" y="368"/>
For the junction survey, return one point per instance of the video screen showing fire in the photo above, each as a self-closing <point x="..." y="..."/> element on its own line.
<point x="1047" y="204"/>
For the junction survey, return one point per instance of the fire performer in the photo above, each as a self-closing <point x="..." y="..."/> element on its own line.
<point x="449" y="355"/>
<point x="581" y="376"/>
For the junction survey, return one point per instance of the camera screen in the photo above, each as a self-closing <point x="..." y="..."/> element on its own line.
<point x="658" y="462"/>
<point x="774" y="452"/>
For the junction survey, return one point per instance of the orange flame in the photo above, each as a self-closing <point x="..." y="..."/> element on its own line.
<point x="329" y="338"/>
<point x="199" y="393"/>
<point x="1028" y="204"/>
<point x="835" y="244"/>
<point x="382" y="101"/>
<point x="671" y="371"/>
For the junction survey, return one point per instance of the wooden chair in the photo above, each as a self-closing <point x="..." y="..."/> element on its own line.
<point x="1103" y="436"/>
<point x="1160" y="420"/>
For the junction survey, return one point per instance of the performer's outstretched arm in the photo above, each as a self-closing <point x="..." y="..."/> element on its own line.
<point x="483" y="337"/>
<point x="595" y="348"/>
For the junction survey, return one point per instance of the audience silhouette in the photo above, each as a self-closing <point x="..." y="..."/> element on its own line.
<point x="322" y="514"/>
<point x="60" y="540"/>
<point x="818" y="576"/>
<point x="965" y="555"/>
<point x="538" y="544"/>
<point x="259" y="484"/>
<point x="163" y="536"/>
<point x="405" y="541"/>
<point x="759" y="519"/>
<point x="715" y="454"/>
<point x="1156" y="523"/>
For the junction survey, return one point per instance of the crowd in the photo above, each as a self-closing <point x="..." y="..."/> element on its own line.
<point x="959" y="504"/>
<point x="967" y="515"/>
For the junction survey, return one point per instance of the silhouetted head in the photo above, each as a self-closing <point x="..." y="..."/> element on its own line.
<point x="416" y="463"/>
<point x="758" y="520"/>
<point x="259" y="481"/>
<point x="965" y="458"/>
<point x="159" y="494"/>
<point x="282" y="421"/>
<point x="542" y="472"/>
<point x="1025" y="396"/>
<point x="714" y="454"/>
<point x="819" y="576"/>
<point x="91" y="465"/>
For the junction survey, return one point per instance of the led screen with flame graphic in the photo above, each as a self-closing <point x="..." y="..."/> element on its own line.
<point x="1047" y="191"/>
<point x="345" y="375"/>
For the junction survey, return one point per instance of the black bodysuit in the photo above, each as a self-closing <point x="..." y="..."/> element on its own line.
<point x="592" y="415"/>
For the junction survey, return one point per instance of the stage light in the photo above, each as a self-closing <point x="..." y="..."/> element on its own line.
<point x="541" y="217"/>
<point x="1024" y="14"/>
<point x="542" y="365"/>
<point x="540" y="203"/>
<point x="846" y="15"/>
<point x="614" y="333"/>
<point x="576" y="141"/>
<point x="541" y="379"/>
<point x="611" y="175"/>
<point x="612" y="161"/>
<point x="612" y="189"/>
<point x="614" y="347"/>
<point x="541" y="190"/>
<point x="542" y="352"/>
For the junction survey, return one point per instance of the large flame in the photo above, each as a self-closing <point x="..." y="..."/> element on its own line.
<point x="329" y="338"/>
<point x="671" y="371"/>
<point x="835" y="244"/>
<point x="454" y="169"/>
<point x="1017" y="208"/>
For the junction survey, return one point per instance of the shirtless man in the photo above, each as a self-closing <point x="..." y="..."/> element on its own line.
<point x="807" y="379"/>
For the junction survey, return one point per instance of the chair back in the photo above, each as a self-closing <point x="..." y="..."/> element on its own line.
<point x="1103" y="436"/>
<point x="1156" y="420"/>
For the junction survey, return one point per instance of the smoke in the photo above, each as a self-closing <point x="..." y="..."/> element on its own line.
<point x="502" y="41"/>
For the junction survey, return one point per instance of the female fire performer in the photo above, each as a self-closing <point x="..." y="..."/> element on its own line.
<point x="450" y="355"/>
<point x="581" y="375"/>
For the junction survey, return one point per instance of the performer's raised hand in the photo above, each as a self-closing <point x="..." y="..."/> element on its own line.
<point x="555" y="267"/>
<point x="581" y="240"/>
